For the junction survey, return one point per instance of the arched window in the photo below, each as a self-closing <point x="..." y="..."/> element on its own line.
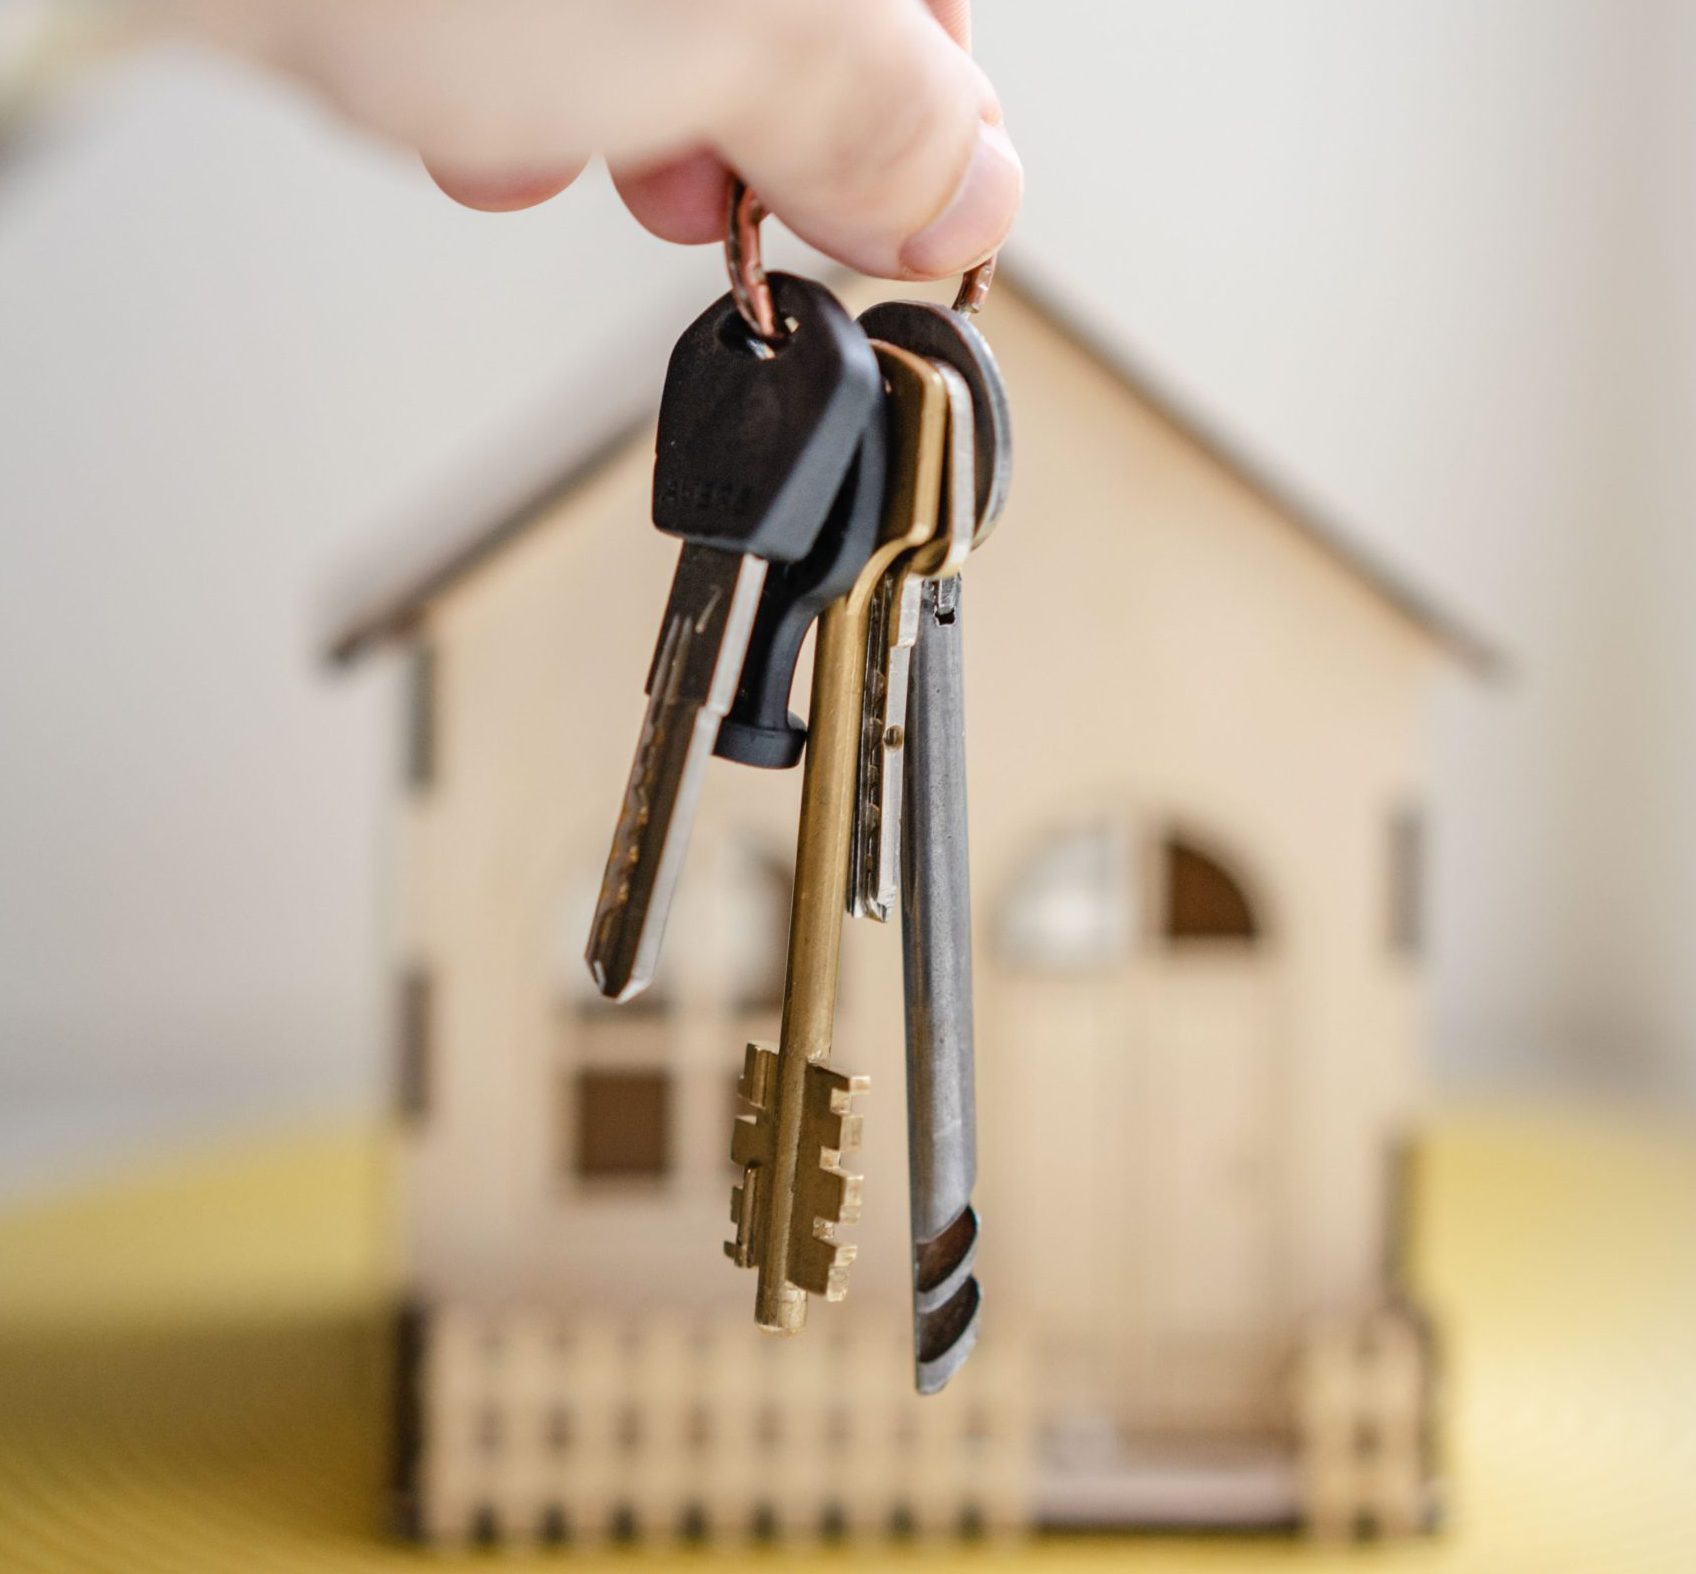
<point x="1073" y="903"/>
<point x="1070" y="907"/>
<point x="1203" y="900"/>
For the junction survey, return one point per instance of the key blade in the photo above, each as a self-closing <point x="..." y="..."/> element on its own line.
<point x="936" y="934"/>
<point x="876" y="884"/>
<point x="704" y="637"/>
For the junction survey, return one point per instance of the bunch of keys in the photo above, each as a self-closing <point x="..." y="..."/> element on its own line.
<point x="819" y="469"/>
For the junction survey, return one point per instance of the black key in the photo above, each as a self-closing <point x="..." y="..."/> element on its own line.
<point x="751" y="450"/>
<point x="751" y="453"/>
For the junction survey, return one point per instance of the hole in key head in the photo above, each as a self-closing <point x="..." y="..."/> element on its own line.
<point x="734" y="334"/>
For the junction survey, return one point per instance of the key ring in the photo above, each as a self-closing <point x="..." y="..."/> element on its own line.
<point x="749" y="286"/>
<point x="751" y="290"/>
<point x="974" y="287"/>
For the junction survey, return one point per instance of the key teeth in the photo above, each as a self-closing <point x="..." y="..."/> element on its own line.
<point x="747" y="1144"/>
<point x="836" y="1283"/>
<point x="751" y="1142"/>
<point x="834" y="1197"/>
<point x="745" y="1251"/>
<point x="758" y="1081"/>
<point x="848" y="1209"/>
<point x="821" y="1265"/>
<point x="827" y="1195"/>
<point x="828" y="1118"/>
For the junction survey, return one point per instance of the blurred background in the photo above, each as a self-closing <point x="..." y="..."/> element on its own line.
<point x="1435" y="263"/>
<point x="1431" y="263"/>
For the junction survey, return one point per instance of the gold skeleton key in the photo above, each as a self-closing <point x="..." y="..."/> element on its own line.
<point x="794" y="1192"/>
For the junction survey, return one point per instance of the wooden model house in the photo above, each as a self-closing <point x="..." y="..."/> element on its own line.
<point x="1198" y="749"/>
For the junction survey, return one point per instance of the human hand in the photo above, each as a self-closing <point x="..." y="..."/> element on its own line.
<point x="862" y="124"/>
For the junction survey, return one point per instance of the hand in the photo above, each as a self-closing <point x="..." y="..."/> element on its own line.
<point x="862" y="124"/>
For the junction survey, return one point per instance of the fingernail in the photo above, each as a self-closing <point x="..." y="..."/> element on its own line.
<point x="973" y="224"/>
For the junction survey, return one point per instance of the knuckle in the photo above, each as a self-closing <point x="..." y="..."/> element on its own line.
<point x="908" y="155"/>
<point x="889" y="133"/>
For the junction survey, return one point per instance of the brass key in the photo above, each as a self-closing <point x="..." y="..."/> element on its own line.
<point x="794" y="1191"/>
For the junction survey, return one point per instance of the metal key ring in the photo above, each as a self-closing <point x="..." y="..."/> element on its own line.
<point x="751" y="290"/>
<point x="974" y="287"/>
<point x="749" y="287"/>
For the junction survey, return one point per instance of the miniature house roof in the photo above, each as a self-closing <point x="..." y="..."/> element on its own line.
<point x="390" y="604"/>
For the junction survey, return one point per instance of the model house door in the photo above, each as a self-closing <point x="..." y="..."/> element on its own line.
<point x="1134" y="1052"/>
<point x="1201" y="1257"/>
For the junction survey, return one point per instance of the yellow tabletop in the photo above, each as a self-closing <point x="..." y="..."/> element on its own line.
<point x="191" y="1369"/>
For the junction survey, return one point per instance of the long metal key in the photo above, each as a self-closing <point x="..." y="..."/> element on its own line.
<point x="751" y="453"/>
<point x="935" y="882"/>
<point x="936" y="935"/>
<point x="794" y="1192"/>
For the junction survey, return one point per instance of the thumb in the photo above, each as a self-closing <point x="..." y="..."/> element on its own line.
<point x="874" y="137"/>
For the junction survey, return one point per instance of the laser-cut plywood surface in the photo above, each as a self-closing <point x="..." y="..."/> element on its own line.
<point x="191" y="1371"/>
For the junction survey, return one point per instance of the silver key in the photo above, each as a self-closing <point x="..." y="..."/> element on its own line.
<point x="708" y="618"/>
<point x="936" y="935"/>
<point x="935" y="883"/>
<point x="876" y="880"/>
<point x="749" y="453"/>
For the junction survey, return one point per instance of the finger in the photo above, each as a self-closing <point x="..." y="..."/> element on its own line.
<point x="876" y="139"/>
<point x="502" y="191"/>
<point x="956" y="19"/>
<point x="679" y="200"/>
<point x="864" y="126"/>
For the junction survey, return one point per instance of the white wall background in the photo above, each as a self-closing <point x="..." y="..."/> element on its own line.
<point x="1432" y="258"/>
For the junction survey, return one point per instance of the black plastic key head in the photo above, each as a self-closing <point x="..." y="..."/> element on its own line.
<point x="759" y="728"/>
<point x="752" y="450"/>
